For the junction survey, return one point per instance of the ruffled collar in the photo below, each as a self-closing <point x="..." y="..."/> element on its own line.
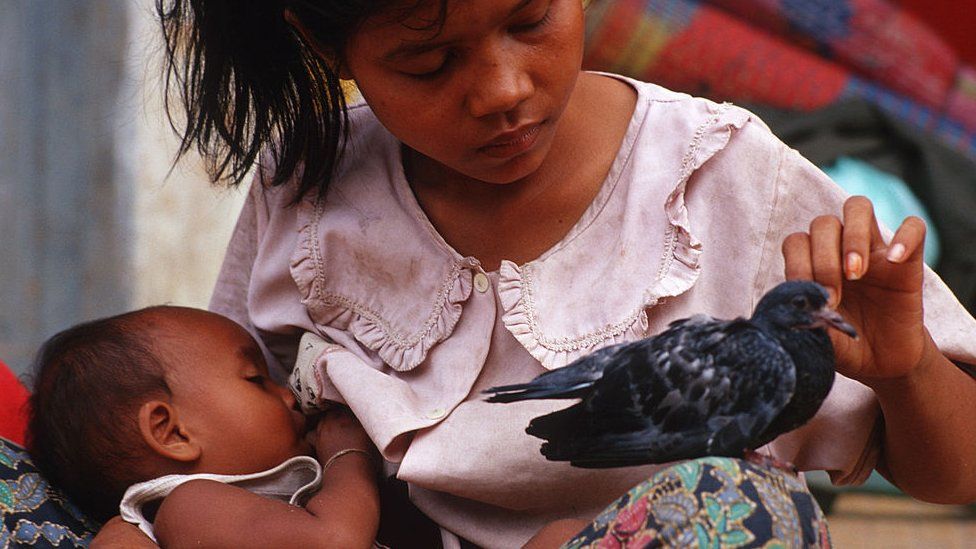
<point x="594" y="288"/>
<point x="370" y="262"/>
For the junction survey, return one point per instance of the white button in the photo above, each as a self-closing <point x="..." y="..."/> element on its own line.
<point x="436" y="413"/>
<point x="481" y="282"/>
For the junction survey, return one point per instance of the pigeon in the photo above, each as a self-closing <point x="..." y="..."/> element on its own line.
<point x="703" y="387"/>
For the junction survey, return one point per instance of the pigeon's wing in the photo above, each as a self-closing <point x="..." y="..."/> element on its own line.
<point x="765" y="385"/>
<point x="702" y="387"/>
<point x="571" y="381"/>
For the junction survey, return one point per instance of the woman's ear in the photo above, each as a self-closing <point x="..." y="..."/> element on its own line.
<point x="328" y="54"/>
<point x="160" y="426"/>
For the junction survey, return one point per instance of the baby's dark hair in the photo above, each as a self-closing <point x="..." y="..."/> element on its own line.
<point x="83" y="433"/>
<point x="249" y="83"/>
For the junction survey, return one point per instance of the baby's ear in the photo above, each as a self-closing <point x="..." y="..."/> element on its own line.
<point x="161" y="428"/>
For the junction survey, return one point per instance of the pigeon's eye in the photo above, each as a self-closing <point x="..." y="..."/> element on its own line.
<point x="801" y="302"/>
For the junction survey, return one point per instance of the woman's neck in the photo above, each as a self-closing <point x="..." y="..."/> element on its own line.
<point x="518" y="221"/>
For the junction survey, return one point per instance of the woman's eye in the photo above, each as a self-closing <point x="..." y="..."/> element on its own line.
<point x="423" y="73"/>
<point x="428" y="74"/>
<point x="531" y="26"/>
<point x="258" y="379"/>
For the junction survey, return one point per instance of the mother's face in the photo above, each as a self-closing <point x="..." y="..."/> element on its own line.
<point x="480" y="93"/>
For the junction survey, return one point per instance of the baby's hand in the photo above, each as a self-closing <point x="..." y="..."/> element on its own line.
<point x="878" y="287"/>
<point x="337" y="430"/>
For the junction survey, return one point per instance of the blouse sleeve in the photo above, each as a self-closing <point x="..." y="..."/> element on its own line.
<point x="845" y="436"/>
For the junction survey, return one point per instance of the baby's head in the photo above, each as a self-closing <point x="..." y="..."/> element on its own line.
<point x="163" y="390"/>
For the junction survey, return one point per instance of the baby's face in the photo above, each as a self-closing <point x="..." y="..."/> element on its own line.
<point x="244" y="422"/>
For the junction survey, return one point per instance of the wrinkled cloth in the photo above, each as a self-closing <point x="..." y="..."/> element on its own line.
<point x="689" y="220"/>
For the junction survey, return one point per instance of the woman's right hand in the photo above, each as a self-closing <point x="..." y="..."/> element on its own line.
<point x="875" y="285"/>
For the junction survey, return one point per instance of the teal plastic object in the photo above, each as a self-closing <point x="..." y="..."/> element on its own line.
<point x="893" y="200"/>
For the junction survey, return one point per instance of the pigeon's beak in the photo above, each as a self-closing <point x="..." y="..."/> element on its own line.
<point x="827" y="317"/>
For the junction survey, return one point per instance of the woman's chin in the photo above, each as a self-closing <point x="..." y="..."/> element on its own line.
<point x="514" y="169"/>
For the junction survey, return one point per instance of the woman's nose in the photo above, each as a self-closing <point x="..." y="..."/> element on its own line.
<point x="498" y="85"/>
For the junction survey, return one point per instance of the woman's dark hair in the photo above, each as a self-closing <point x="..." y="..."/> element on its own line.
<point x="248" y="82"/>
<point x="83" y="428"/>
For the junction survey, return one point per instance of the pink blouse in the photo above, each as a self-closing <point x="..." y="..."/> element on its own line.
<point x="408" y="332"/>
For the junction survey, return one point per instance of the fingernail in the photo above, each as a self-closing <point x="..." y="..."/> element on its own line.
<point x="896" y="253"/>
<point x="854" y="265"/>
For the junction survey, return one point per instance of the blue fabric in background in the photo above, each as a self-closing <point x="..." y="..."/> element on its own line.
<point x="34" y="513"/>
<point x="893" y="200"/>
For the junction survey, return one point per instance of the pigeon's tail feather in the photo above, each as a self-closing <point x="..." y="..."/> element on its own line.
<point x="574" y="380"/>
<point x="604" y="454"/>
<point x="536" y="391"/>
<point x="556" y="424"/>
<point x="610" y="463"/>
<point x="569" y="382"/>
<point x="625" y="450"/>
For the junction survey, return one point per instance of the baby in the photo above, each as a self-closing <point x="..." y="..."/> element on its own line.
<point x="170" y="412"/>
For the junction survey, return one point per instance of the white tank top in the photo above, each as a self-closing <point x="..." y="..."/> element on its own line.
<point x="294" y="481"/>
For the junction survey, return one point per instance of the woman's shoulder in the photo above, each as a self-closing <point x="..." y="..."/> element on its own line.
<point x="365" y="143"/>
<point x="691" y="129"/>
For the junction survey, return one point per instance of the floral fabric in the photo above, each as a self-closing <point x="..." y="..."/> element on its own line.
<point x="711" y="502"/>
<point x="34" y="513"/>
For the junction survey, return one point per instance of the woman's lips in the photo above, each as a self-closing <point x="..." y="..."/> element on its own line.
<point x="514" y="143"/>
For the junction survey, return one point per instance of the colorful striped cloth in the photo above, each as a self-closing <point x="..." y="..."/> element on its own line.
<point x="790" y="54"/>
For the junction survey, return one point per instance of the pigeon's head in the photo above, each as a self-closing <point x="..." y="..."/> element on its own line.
<point x="799" y="305"/>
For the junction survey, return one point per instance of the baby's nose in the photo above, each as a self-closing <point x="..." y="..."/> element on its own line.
<point x="288" y="398"/>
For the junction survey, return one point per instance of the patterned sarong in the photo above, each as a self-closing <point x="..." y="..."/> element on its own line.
<point x="711" y="503"/>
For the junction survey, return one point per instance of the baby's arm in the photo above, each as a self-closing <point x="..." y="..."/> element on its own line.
<point x="344" y="513"/>
<point x="929" y="444"/>
<point x="349" y="493"/>
<point x="119" y="533"/>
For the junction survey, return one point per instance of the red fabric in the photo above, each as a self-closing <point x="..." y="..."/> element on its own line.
<point x="745" y="64"/>
<point x="955" y="22"/>
<point x="13" y="406"/>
